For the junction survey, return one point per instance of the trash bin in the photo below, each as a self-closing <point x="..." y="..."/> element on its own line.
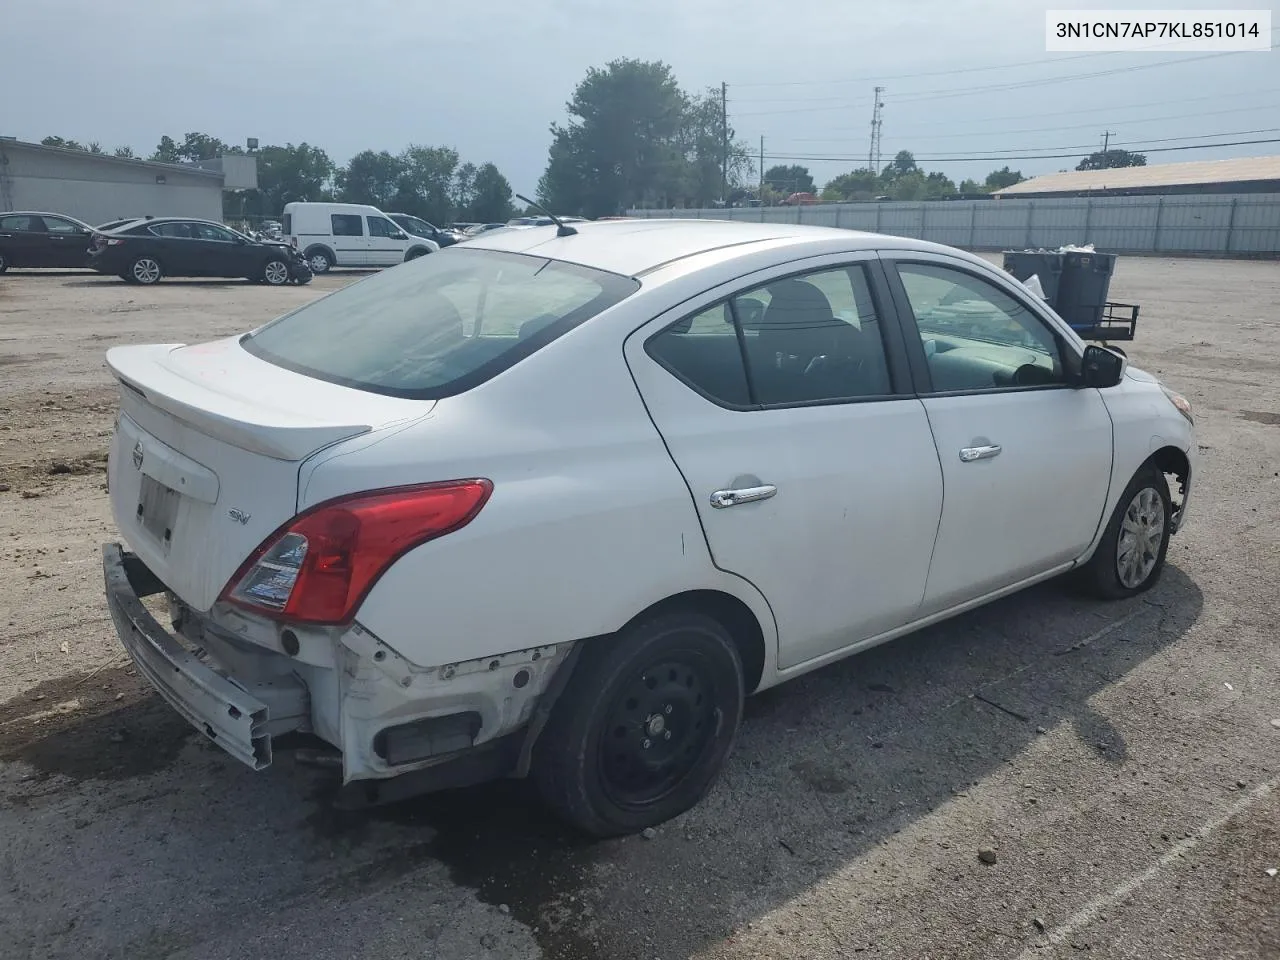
<point x="1045" y="264"/>
<point x="1082" y="288"/>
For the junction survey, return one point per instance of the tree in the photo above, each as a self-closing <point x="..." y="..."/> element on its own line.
<point x="371" y="177"/>
<point x="1004" y="177"/>
<point x="490" y="196"/>
<point x="860" y="184"/>
<point x="125" y="153"/>
<point x="61" y="142"/>
<point x="426" y="185"/>
<point x="789" y="179"/>
<point x="701" y="174"/>
<point x="970" y="185"/>
<point x="902" y="164"/>
<point x="619" y="147"/>
<point x="286" y="174"/>
<point x="166" y="151"/>
<point x="200" y="146"/>
<point x="1109" y="159"/>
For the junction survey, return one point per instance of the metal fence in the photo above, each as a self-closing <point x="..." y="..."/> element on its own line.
<point x="1230" y="225"/>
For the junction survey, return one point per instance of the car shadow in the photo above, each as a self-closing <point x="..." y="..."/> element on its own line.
<point x="827" y="767"/>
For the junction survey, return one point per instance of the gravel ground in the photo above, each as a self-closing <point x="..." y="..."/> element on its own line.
<point x="1118" y="764"/>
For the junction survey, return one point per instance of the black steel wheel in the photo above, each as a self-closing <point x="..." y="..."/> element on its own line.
<point x="644" y="726"/>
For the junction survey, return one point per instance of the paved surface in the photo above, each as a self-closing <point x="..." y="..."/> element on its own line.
<point x="1119" y="760"/>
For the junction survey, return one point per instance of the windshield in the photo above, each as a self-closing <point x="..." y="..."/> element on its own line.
<point x="438" y="325"/>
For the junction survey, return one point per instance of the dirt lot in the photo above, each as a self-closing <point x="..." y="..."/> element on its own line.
<point x="1121" y="761"/>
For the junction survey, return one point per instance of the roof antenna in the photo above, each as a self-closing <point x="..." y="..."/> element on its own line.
<point x="562" y="229"/>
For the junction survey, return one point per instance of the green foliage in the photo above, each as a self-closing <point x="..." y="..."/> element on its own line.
<point x="1110" y="159"/>
<point x="125" y="153"/>
<point x="166" y="151"/>
<point x="634" y="138"/>
<point x="969" y="185"/>
<point x="789" y="179"/>
<point x="489" y="197"/>
<point x="1004" y="177"/>
<point x="61" y="142"/>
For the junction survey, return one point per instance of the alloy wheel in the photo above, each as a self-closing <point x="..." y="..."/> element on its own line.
<point x="146" y="270"/>
<point x="276" y="273"/>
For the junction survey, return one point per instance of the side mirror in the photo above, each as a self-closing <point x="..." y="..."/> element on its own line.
<point x="1100" y="367"/>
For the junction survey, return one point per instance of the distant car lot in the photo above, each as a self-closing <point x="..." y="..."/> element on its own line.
<point x="856" y="803"/>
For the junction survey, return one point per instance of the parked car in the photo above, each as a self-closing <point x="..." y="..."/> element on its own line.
<point x="554" y="505"/>
<point x="417" y="227"/>
<point x="32" y="239"/>
<point x="145" y="251"/>
<point x="480" y="228"/>
<point x="349" y="235"/>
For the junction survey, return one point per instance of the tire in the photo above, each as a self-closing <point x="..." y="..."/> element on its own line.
<point x="303" y="280"/>
<point x="4" y="262"/>
<point x="415" y="253"/>
<point x="1127" y="561"/>
<point x="644" y="726"/>
<point x="275" y="272"/>
<point x="146" y="271"/>
<point x="126" y="278"/>
<point x="319" y="260"/>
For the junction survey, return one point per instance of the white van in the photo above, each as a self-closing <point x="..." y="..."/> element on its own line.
<point x="349" y="235"/>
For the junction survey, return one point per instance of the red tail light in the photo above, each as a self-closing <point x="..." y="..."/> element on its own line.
<point x="114" y="241"/>
<point x="319" y="567"/>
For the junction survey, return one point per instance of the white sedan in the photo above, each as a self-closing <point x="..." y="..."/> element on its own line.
<point x="552" y="505"/>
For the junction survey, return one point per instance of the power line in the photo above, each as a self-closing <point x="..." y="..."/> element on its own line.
<point x="1139" y="145"/>
<point x="1079" y="126"/>
<point x="1094" y="110"/>
<point x="1032" y="156"/>
<point x="924" y="95"/>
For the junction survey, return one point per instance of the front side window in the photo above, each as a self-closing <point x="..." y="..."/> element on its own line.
<point x="59" y="225"/>
<point x="346" y="224"/>
<point x="208" y="231"/>
<point x="810" y="338"/>
<point x="381" y="227"/>
<point x="976" y="336"/>
<point x="437" y="326"/>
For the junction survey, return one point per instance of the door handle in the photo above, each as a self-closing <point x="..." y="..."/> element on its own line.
<point x="969" y="454"/>
<point x="731" y="498"/>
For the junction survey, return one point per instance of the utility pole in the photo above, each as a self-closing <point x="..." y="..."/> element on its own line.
<point x="873" y="155"/>
<point x="724" y="144"/>
<point x="1106" y="138"/>
<point x="760" y="192"/>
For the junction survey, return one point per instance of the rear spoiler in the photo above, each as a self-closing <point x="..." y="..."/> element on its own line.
<point x="271" y="432"/>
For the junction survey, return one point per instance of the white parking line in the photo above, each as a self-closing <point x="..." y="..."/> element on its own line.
<point x="1091" y="910"/>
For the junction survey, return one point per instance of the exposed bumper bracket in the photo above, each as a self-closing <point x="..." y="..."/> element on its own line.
<point x="217" y="707"/>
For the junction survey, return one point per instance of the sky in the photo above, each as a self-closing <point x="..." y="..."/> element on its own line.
<point x="489" y="78"/>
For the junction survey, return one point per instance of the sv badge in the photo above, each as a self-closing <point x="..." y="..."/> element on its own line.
<point x="239" y="516"/>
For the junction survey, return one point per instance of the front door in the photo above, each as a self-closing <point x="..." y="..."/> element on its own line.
<point x="1026" y="457"/>
<point x="785" y="404"/>
<point x="67" y="242"/>
<point x="386" y="242"/>
<point x="350" y="245"/>
<point x="23" y="240"/>
<point x="222" y="253"/>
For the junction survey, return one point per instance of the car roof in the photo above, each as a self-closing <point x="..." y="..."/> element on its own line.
<point x="38" y="213"/>
<point x="635" y="247"/>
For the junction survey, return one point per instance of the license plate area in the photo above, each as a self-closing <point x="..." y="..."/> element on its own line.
<point x="158" y="510"/>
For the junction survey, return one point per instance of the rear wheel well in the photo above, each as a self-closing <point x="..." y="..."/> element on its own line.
<point x="728" y="610"/>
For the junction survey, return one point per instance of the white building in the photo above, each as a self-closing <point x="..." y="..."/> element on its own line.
<point x="96" y="187"/>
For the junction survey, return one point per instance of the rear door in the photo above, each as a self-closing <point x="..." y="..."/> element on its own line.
<point x="1026" y="457"/>
<point x="350" y="245"/>
<point x="785" y="401"/>
<point x="177" y="247"/>
<point x="67" y="242"/>
<point x="386" y="243"/>
<point x="23" y="240"/>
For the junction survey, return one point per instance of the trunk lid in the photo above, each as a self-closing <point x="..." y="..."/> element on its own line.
<point x="204" y="462"/>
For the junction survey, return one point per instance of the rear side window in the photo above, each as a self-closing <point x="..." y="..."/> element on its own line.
<point x="287" y="226"/>
<point x="812" y="338"/>
<point x="178" y="231"/>
<point x="20" y="224"/>
<point x="439" y="325"/>
<point x="346" y="225"/>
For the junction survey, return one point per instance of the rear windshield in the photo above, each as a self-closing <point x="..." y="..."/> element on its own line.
<point x="438" y="325"/>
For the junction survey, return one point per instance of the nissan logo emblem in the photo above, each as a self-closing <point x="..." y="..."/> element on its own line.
<point x="137" y="455"/>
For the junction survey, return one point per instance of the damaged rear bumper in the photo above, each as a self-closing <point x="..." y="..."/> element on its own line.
<point x="213" y="704"/>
